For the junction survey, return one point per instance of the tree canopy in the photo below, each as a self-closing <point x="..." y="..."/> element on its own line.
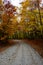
<point x="30" y="23"/>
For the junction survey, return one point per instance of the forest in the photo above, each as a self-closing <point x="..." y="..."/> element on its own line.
<point x="25" y="22"/>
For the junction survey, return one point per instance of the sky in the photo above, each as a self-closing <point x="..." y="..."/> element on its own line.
<point x="16" y="2"/>
<point x="41" y="3"/>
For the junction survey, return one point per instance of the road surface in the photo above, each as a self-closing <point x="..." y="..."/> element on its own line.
<point x="20" y="54"/>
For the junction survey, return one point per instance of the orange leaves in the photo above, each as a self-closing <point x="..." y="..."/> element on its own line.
<point x="9" y="8"/>
<point x="8" y="18"/>
<point x="11" y="15"/>
<point x="1" y="8"/>
<point x="4" y="17"/>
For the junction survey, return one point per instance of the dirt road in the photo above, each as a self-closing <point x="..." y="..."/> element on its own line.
<point x="20" y="54"/>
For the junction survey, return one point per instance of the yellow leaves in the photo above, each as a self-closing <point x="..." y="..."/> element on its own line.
<point x="35" y="11"/>
<point x="25" y="4"/>
<point x="8" y="26"/>
<point x="0" y="2"/>
<point x="9" y="30"/>
<point x="14" y="20"/>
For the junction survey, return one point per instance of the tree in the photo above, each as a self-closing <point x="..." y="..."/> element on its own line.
<point x="31" y="17"/>
<point x="7" y="23"/>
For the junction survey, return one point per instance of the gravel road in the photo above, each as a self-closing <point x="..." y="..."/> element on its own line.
<point x="20" y="54"/>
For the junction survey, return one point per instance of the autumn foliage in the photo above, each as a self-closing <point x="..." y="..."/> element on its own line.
<point x="7" y="27"/>
<point x="29" y="26"/>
